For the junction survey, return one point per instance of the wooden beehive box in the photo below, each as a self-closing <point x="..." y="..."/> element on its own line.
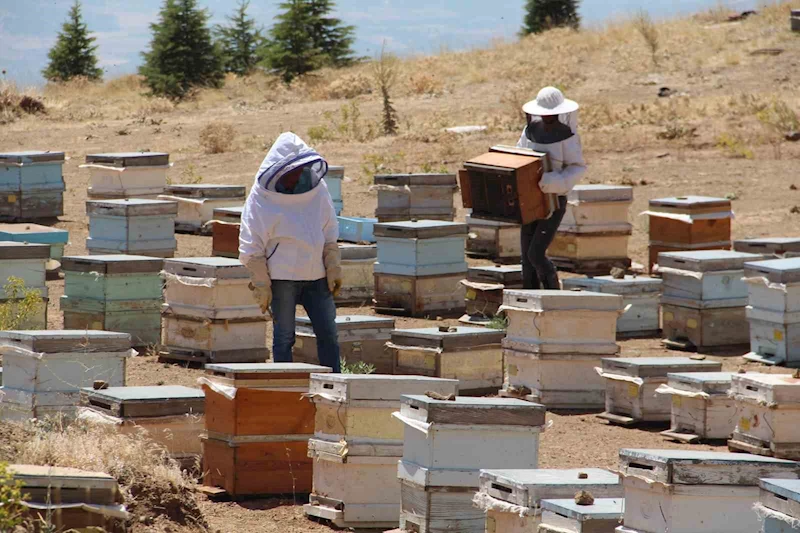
<point x="134" y="226"/>
<point x="26" y="261"/>
<point x="172" y="415"/>
<point x="258" y="426"/>
<point x="36" y="234"/>
<point x="358" y="273"/>
<point x="641" y="293"/>
<point x="361" y="338"/>
<point x="44" y="371"/>
<point x="527" y="489"/>
<point x="225" y="232"/>
<point x="768" y="415"/>
<point x="705" y="279"/>
<point x="127" y="174"/>
<point x="509" y="276"/>
<point x="768" y="246"/>
<point x="333" y="180"/>
<point x="356" y="230"/>
<point x="598" y="209"/>
<point x="694" y="491"/>
<point x="631" y="385"/>
<point x="420" y="248"/>
<point x="471" y="355"/>
<point x="778" y="505"/>
<point x="222" y="340"/>
<point x="196" y="204"/>
<point x="602" y="516"/>
<point x="493" y="239"/>
<point x="31" y="185"/>
<point x="406" y="196"/>
<point x="484" y="290"/>
<point x="701" y="407"/>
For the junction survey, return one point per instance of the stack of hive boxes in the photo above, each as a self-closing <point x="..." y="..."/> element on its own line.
<point x="357" y="444"/>
<point x="127" y="175"/>
<point x="420" y="267"/>
<point x="26" y="263"/>
<point x="701" y="407"/>
<point x="704" y="300"/>
<point x="225" y="232"/>
<point x="485" y="286"/>
<point x="358" y="273"/>
<point x="446" y="444"/>
<point x="779" y="500"/>
<point x="258" y="425"/>
<point x="196" y="204"/>
<point x="114" y="293"/>
<point x="493" y="239"/>
<point x="555" y="339"/>
<point x="31" y="185"/>
<point x="209" y="313"/>
<point x="36" y="234"/>
<point x="361" y="339"/>
<point x="415" y="196"/>
<point x="333" y="179"/>
<point x="138" y="227"/>
<point x="768" y="246"/>
<point x="593" y="235"/>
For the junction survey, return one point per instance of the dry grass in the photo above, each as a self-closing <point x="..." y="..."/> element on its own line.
<point x="217" y="137"/>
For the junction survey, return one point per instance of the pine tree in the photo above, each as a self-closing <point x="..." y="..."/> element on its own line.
<point x="240" y="42"/>
<point x="334" y="39"/>
<point x="182" y="55"/>
<point x="541" y="15"/>
<point x="73" y="54"/>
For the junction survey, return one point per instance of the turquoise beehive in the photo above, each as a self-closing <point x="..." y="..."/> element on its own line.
<point x="31" y="185"/>
<point x="421" y="248"/>
<point x="132" y="226"/>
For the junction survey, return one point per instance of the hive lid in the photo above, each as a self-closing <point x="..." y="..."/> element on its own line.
<point x="235" y="212"/>
<point x="131" y="207"/>
<point x="601" y="193"/>
<point x="33" y="232"/>
<point x="602" y="509"/>
<point x="706" y="260"/>
<point x="335" y="172"/>
<point x="112" y="264"/>
<point x="348" y="387"/>
<point x="692" y="203"/>
<point x="207" y="267"/>
<point x="778" y="389"/>
<point x="656" y="366"/>
<point x="416" y="179"/>
<point x="687" y="467"/>
<point x="23" y="250"/>
<point x="350" y="322"/>
<point x="708" y="382"/>
<point x="129" y="159"/>
<point x="506" y="274"/>
<point x="207" y="190"/>
<point x="157" y="400"/>
<point x="353" y="252"/>
<point x="420" y="229"/>
<point x="545" y="300"/>
<point x="775" y="270"/>
<point x="527" y="487"/>
<point x="611" y="285"/>
<point x="768" y="245"/>
<point x="452" y="338"/>
<point x="507" y="159"/>
<point x="35" y="476"/>
<point x="788" y="489"/>
<point x="473" y="411"/>
<point x="55" y="341"/>
<point x="32" y="156"/>
<point x="266" y="368"/>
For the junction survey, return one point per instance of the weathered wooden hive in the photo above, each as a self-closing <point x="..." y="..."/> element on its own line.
<point x="357" y="444"/>
<point x="794" y="20"/>
<point x="684" y="491"/>
<point x="36" y="234"/>
<point x="493" y="239"/>
<point x="701" y="407"/>
<point x="641" y="293"/>
<point x="407" y="196"/>
<point x="512" y="499"/>
<point x="258" y="425"/>
<point x="126" y="175"/>
<point x="133" y="226"/>
<point x="603" y="515"/>
<point x="333" y="179"/>
<point x="114" y="293"/>
<point x="31" y="185"/>
<point x="358" y="273"/>
<point x="420" y="267"/>
<point x="768" y="415"/>
<point x="225" y="231"/>
<point x="44" y="371"/>
<point x="778" y="505"/>
<point x="594" y="233"/>
<point x="773" y="312"/>
<point x="485" y="286"/>
<point x="447" y="443"/>
<point x="686" y="223"/>
<point x="209" y="314"/>
<point x="172" y="415"/>
<point x="361" y="339"/>
<point x="768" y="246"/>
<point x="196" y="204"/>
<point x="471" y="355"/>
<point x="28" y="263"/>
<point x="356" y="230"/>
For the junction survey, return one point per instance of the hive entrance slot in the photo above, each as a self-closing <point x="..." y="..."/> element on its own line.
<point x="641" y="466"/>
<point x="501" y="488"/>
<point x="327" y="386"/>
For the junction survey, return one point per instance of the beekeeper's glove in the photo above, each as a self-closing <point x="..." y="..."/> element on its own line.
<point x="260" y="283"/>
<point x="332" y="258"/>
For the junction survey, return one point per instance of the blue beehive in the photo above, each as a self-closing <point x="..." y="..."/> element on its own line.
<point x="133" y="226"/>
<point x="357" y="230"/>
<point x="421" y="248"/>
<point x="333" y="179"/>
<point x="34" y="233"/>
<point x="31" y="185"/>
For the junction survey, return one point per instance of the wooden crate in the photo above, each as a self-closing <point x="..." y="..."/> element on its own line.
<point x="493" y="239"/>
<point x="140" y="227"/>
<point x="689" y="328"/>
<point x="25" y="261"/>
<point x="598" y="209"/>
<point x="358" y="273"/>
<point x="768" y="246"/>
<point x="709" y="276"/>
<point x="36" y="234"/>
<point x="356" y="230"/>
<point x="361" y="339"/>
<point x="695" y="491"/>
<point x="196" y="204"/>
<point x="589" y="247"/>
<point x="602" y="516"/>
<point x="778" y="505"/>
<point x="701" y="408"/>
<point x="420" y="296"/>
<point x="471" y="355"/>
<point x="126" y="174"/>
<point x="420" y="248"/>
<point x="206" y="340"/>
<point x="31" y="185"/>
<point x="631" y="385"/>
<point x="225" y="231"/>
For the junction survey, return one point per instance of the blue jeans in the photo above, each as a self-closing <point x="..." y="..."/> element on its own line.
<point x="317" y="300"/>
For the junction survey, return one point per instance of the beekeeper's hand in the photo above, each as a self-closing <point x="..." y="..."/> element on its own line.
<point x="260" y="283"/>
<point x="263" y="295"/>
<point x="332" y="258"/>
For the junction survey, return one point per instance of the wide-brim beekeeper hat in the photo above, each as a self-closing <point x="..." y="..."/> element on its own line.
<point x="550" y="101"/>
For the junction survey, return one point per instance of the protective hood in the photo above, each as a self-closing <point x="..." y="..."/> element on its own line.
<point x="288" y="153"/>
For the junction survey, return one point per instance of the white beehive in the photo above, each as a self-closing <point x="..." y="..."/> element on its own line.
<point x="512" y="499"/>
<point x="602" y="516"/>
<point x="407" y="196"/>
<point x="127" y="174"/>
<point x="701" y="407"/>
<point x="598" y="209"/>
<point x="358" y="273"/>
<point x="196" y="204"/>
<point x="631" y="385"/>
<point x="493" y="239"/>
<point x="688" y="492"/>
<point x="704" y="279"/>
<point x="779" y="505"/>
<point x="26" y="262"/>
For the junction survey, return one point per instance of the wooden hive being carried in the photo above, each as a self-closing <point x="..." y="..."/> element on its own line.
<point x="225" y="232"/>
<point x="513" y="499"/>
<point x="31" y="185"/>
<point x="333" y="179"/>
<point x="684" y="491"/>
<point x="768" y="246"/>
<point x="631" y="385"/>
<point x="445" y="446"/>
<point x="44" y="371"/>
<point x="114" y="293"/>
<point x="361" y="339"/>
<point x="196" y="204"/>
<point x="357" y="444"/>
<point x="493" y="239"/>
<point x="257" y="427"/>
<point x="358" y="273"/>
<point x="415" y="196"/>
<point x="28" y="263"/>
<point x="356" y="230"/>
<point x="602" y="515"/>
<point x="209" y="314"/>
<point x="120" y="175"/>
<point x="485" y="286"/>
<point x="778" y="505"/>
<point x="136" y="227"/>
<point x="420" y="267"/>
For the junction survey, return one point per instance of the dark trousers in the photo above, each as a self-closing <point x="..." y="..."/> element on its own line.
<point x="538" y="272"/>
<point x="318" y="302"/>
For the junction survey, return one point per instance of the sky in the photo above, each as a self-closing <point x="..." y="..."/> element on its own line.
<point x="28" y="28"/>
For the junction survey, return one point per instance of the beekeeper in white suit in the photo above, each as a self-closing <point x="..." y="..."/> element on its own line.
<point x="287" y="241"/>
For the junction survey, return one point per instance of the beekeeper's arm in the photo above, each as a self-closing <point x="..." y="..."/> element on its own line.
<point x="331" y="256"/>
<point x="569" y="171"/>
<point x="253" y="238"/>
